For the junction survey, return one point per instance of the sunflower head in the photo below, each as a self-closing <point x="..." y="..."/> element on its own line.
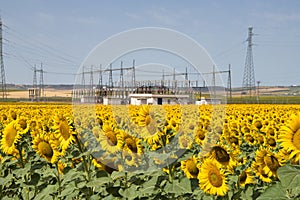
<point x="10" y="138"/>
<point x="190" y="167"/>
<point x="46" y="147"/>
<point x="212" y="178"/>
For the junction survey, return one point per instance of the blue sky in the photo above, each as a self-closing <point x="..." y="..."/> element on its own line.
<point x="62" y="33"/>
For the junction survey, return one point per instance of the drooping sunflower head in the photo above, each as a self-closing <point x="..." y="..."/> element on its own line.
<point x="212" y="178"/>
<point x="246" y="177"/>
<point x="268" y="161"/>
<point x="190" y="167"/>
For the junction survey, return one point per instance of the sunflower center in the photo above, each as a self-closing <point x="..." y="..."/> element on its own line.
<point x="192" y="167"/>
<point x="185" y="142"/>
<point x="296" y="139"/>
<point x="10" y="136"/>
<point x="271" y="162"/>
<point x="201" y="134"/>
<point x="234" y="140"/>
<point x="272" y="142"/>
<point x="258" y="124"/>
<point x="147" y="120"/>
<point x="152" y="128"/>
<point x="131" y="144"/>
<point x="112" y="138"/>
<point x="45" y="149"/>
<point x="221" y="154"/>
<point x="243" y="177"/>
<point x="215" y="178"/>
<point x="64" y="129"/>
<point x="23" y="124"/>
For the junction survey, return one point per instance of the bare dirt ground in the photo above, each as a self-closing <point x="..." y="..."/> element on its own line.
<point x="47" y="92"/>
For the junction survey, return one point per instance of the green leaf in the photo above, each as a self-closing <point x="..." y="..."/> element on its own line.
<point x="274" y="192"/>
<point x="129" y="193"/>
<point x="177" y="187"/>
<point x="289" y="176"/>
<point x="116" y="175"/>
<point x="98" y="182"/>
<point x="67" y="191"/>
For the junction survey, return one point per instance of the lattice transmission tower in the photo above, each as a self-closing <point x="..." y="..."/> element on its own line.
<point x="249" y="77"/>
<point x="3" y="82"/>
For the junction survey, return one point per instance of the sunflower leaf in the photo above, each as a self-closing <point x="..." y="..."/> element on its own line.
<point x="274" y="192"/>
<point x="289" y="176"/>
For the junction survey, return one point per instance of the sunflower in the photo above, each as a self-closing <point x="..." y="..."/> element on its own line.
<point x="185" y="141"/>
<point x="108" y="138"/>
<point x="130" y="143"/>
<point x="260" y="172"/>
<point x="190" y="168"/>
<point x="10" y="138"/>
<point x="246" y="177"/>
<point x="64" y="131"/>
<point x="289" y="136"/>
<point x="46" y="147"/>
<point x="108" y="165"/>
<point x="212" y="178"/>
<point x="223" y="156"/>
<point x="199" y="135"/>
<point x="268" y="161"/>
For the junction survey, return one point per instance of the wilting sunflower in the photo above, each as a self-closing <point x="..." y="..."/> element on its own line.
<point x="190" y="168"/>
<point x="64" y="131"/>
<point x="246" y="177"/>
<point x="10" y="138"/>
<point x="46" y="147"/>
<point x="212" y="179"/>
<point x="289" y="136"/>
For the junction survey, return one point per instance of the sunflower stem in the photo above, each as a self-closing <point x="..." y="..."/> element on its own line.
<point x="58" y="180"/>
<point x="85" y="164"/>
<point x="21" y="155"/>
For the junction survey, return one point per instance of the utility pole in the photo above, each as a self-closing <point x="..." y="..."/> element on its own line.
<point x="91" y="78"/>
<point x="214" y="82"/>
<point x="83" y="78"/>
<point x="41" y="80"/>
<point x="229" y="83"/>
<point x="3" y="82"/>
<point x="249" y="79"/>
<point x="110" y="80"/>
<point x="258" y="82"/>
<point x="133" y="74"/>
<point x="100" y="77"/>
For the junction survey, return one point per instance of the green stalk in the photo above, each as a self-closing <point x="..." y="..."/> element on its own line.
<point x="85" y="164"/>
<point x="58" y="180"/>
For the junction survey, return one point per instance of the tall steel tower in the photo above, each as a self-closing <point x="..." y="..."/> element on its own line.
<point x="3" y="82"/>
<point x="249" y="79"/>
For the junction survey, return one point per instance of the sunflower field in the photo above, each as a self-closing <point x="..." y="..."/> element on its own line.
<point x="64" y="151"/>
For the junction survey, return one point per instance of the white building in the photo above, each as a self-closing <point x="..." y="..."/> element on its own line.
<point x="158" y="99"/>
